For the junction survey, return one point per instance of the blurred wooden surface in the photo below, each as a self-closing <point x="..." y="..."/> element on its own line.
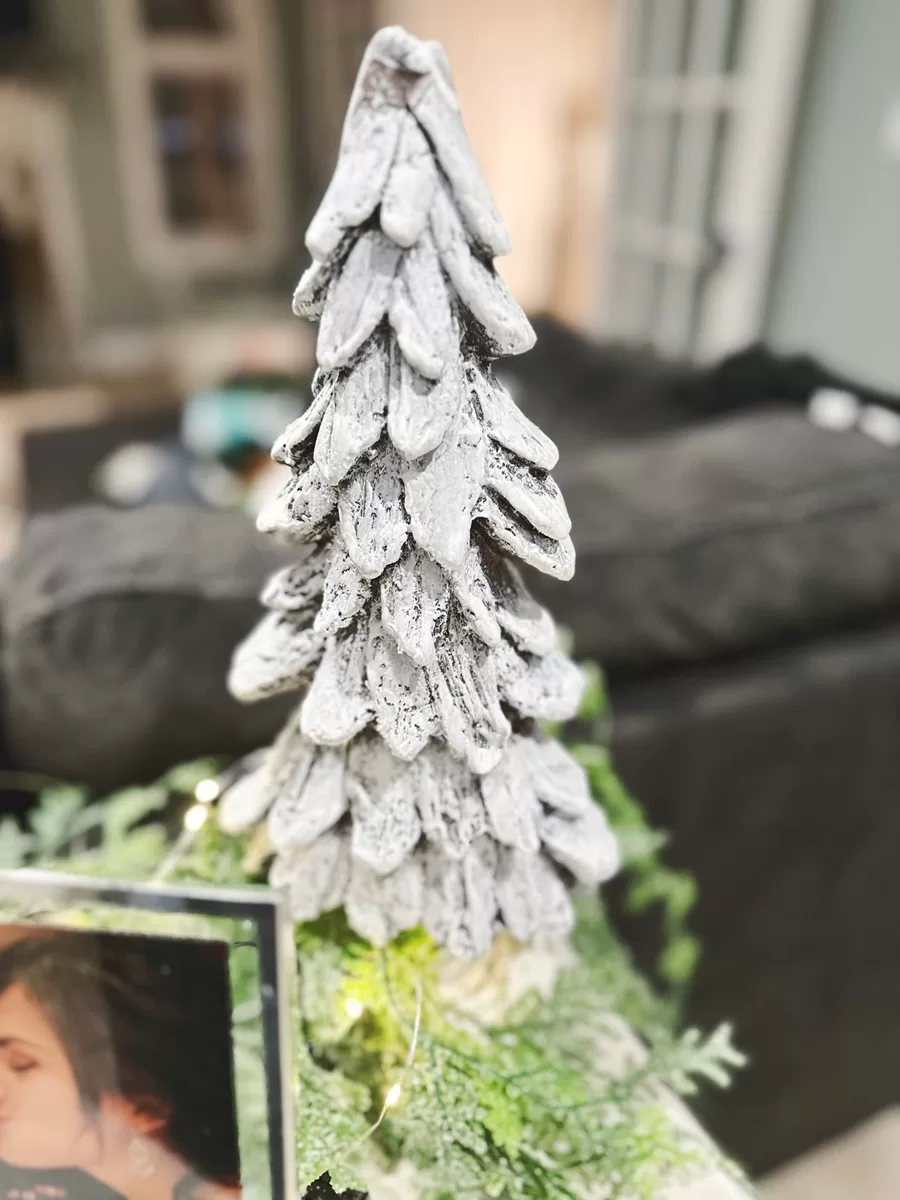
<point x="862" y="1165"/>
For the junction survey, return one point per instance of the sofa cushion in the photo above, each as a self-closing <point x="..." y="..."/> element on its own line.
<point x="722" y="537"/>
<point x="117" y="631"/>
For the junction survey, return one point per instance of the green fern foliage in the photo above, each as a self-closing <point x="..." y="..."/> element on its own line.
<point x="529" y="1104"/>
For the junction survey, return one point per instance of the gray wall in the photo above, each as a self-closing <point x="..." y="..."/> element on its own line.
<point x="836" y="282"/>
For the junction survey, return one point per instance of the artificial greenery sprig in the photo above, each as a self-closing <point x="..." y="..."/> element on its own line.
<point x="651" y="882"/>
<point x="527" y="1104"/>
<point x="523" y="1107"/>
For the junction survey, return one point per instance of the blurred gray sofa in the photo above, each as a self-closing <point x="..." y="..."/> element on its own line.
<point x="116" y="631"/>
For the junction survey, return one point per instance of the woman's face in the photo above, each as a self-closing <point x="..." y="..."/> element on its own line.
<point x="42" y="1123"/>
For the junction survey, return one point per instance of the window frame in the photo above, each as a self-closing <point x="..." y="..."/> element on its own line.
<point x="697" y="287"/>
<point x="245" y="53"/>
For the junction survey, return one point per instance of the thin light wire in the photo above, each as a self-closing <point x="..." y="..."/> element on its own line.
<point x="410" y="1057"/>
<point x="183" y="843"/>
<point x="417" y="1024"/>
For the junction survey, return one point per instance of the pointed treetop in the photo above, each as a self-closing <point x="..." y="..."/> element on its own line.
<point x="404" y="97"/>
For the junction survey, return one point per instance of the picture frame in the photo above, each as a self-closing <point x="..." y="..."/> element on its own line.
<point x="244" y="918"/>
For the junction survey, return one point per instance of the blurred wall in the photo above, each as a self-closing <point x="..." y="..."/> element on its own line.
<point x="534" y="84"/>
<point x="119" y="294"/>
<point x="835" y="289"/>
<point x="322" y="43"/>
<point x="317" y="45"/>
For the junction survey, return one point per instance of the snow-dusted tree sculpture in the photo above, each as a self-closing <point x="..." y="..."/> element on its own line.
<point x="413" y="785"/>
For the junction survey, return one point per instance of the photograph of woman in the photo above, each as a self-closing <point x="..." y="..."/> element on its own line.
<point x="116" y="1076"/>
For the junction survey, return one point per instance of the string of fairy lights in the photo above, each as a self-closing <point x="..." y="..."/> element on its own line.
<point x="206" y="793"/>
<point x="354" y="1009"/>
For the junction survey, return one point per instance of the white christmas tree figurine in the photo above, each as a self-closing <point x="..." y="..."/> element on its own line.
<point x="413" y="785"/>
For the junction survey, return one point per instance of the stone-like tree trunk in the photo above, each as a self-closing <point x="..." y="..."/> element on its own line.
<point x="414" y="785"/>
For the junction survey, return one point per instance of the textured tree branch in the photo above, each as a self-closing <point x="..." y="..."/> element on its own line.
<point x="413" y="785"/>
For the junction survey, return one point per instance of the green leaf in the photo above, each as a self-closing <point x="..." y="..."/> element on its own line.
<point x="503" y="1116"/>
<point x="185" y="777"/>
<point x="594" y="702"/>
<point x="682" y="894"/>
<point x="650" y="882"/>
<point x="679" y="959"/>
<point x="15" y="845"/>
<point x="89" y="819"/>
<point x="694" y="1057"/>
<point x="640" y="845"/>
<point x="139" y="854"/>
<point x="52" y="821"/>
<point x="127" y="809"/>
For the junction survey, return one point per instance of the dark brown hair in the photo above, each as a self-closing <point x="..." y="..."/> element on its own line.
<point x="147" y="1019"/>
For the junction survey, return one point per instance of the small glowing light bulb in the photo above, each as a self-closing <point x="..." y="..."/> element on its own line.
<point x="207" y="790"/>
<point x="195" y="818"/>
<point x="393" y="1095"/>
<point x="353" y="1008"/>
